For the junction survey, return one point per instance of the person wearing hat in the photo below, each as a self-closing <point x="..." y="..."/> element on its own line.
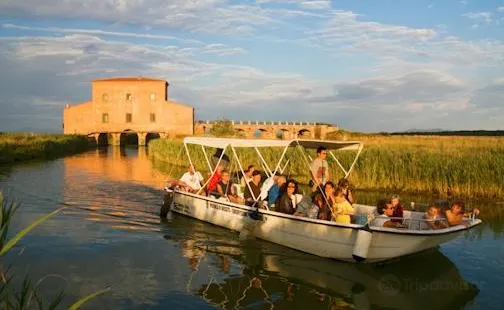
<point x="253" y="190"/>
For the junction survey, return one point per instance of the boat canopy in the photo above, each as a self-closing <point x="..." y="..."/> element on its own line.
<point x="222" y="143"/>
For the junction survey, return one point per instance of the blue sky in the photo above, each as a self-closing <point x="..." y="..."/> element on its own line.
<point x="382" y="65"/>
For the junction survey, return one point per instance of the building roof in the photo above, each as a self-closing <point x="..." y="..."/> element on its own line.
<point x="129" y="79"/>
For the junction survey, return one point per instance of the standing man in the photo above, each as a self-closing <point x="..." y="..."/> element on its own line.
<point x="320" y="169"/>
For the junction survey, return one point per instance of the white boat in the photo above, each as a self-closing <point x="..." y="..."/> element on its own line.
<point x="347" y="242"/>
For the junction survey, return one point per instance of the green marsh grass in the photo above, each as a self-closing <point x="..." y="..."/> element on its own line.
<point x="465" y="167"/>
<point x="15" y="147"/>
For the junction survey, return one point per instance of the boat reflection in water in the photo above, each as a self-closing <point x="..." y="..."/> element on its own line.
<point x="257" y="274"/>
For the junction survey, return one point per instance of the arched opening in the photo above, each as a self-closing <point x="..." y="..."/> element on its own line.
<point x="240" y="133"/>
<point x="103" y="139"/>
<point x="128" y="137"/>
<point x="282" y="134"/>
<point x="304" y="133"/>
<point x="151" y="136"/>
<point x="259" y="133"/>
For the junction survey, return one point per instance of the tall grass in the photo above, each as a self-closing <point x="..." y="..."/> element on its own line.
<point x="27" y="295"/>
<point x="471" y="167"/>
<point x="15" y="147"/>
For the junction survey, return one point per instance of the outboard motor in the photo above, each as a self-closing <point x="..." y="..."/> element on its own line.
<point x="362" y="244"/>
<point x="165" y="208"/>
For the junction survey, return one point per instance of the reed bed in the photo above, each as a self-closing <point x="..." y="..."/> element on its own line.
<point x="466" y="167"/>
<point x="15" y="147"/>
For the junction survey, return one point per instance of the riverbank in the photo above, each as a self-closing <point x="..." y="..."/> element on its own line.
<point x="465" y="167"/>
<point x="17" y="147"/>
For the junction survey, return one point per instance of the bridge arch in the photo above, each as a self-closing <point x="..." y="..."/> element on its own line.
<point x="282" y="134"/>
<point x="259" y="132"/>
<point x="240" y="132"/>
<point x="102" y="139"/>
<point x="151" y="136"/>
<point x="128" y="137"/>
<point x="304" y="133"/>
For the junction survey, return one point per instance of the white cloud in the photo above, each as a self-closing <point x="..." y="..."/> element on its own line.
<point x="97" y="32"/>
<point x="500" y="9"/>
<point x="213" y="16"/>
<point x="345" y="34"/>
<point x="479" y="18"/>
<point x="315" y="5"/>
<point x="399" y="70"/>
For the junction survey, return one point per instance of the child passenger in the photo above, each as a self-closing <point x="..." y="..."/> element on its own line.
<point x="433" y="218"/>
<point x="398" y="209"/>
<point x="342" y="209"/>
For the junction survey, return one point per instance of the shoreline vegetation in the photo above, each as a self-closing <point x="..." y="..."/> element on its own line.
<point x="18" y="147"/>
<point x="25" y="294"/>
<point x="465" y="167"/>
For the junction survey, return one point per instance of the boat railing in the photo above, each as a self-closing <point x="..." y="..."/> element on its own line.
<point x="412" y="223"/>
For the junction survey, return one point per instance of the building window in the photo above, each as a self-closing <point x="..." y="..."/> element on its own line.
<point x="152" y="96"/>
<point x="105" y="97"/>
<point x="104" y="118"/>
<point x="128" y="96"/>
<point x="153" y="118"/>
<point x="128" y="117"/>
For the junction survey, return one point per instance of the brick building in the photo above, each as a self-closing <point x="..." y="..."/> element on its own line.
<point x="129" y="104"/>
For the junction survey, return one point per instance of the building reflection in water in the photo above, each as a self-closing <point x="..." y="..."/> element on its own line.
<point x="257" y="274"/>
<point x="114" y="185"/>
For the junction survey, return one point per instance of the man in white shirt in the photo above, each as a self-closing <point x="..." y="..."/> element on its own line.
<point x="385" y="211"/>
<point x="193" y="179"/>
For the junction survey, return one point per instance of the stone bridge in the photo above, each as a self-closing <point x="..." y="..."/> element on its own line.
<point x="273" y="130"/>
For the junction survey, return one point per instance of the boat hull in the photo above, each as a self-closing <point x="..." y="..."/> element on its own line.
<point x="317" y="237"/>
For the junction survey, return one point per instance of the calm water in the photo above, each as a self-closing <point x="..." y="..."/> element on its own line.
<point x="110" y="235"/>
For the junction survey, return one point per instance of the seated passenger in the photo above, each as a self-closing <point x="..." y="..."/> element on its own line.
<point x="267" y="185"/>
<point x="341" y="208"/>
<point x="325" y="212"/>
<point x="251" y="197"/>
<point x="275" y="190"/>
<point x="226" y="189"/>
<point x="248" y="176"/>
<point x="192" y="180"/>
<point x="398" y="209"/>
<point x="317" y="203"/>
<point x="214" y="180"/>
<point x="385" y="211"/>
<point x="302" y="204"/>
<point x="433" y="219"/>
<point x="455" y="215"/>
<point x="284" y="203"/>
<point x="344" y="184"/>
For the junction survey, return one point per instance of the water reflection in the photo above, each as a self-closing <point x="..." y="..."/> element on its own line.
<point x="120" y="164"/>
<point x="110" y="234"/>
<point x="271" y="276"/>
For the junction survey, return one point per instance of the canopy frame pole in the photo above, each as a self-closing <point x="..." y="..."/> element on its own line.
<point x="285" y="166"/>
<point x="214" y="170"/>
<point x="188" y="155"/>
<point x="243" y="173"/>
<point x="309" y="168"/>
<point x="361" y="147"/>
<point x="280" y="160"/>
<point x="347" y="173"/>
<point x="267" y="168"/>
<point x="206" y="157"/>
<point x="339" y="164"/>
